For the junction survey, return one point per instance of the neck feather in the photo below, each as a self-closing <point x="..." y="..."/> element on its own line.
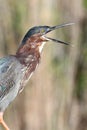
<point x="31" y="50"/>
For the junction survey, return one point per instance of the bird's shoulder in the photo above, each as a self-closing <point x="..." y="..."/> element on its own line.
<point x="7" y="61"/>
<point x="8" y="73"/>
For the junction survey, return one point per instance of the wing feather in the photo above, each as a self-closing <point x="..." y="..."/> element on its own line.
<point x="8" y="74"/>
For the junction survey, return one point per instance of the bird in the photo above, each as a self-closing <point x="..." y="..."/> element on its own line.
<point x="16" y="70"/>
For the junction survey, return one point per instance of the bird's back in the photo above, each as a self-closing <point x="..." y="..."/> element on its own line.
<point x="9" y="80"/>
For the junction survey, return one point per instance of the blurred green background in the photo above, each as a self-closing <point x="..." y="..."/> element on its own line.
<point x="56" y="96"/>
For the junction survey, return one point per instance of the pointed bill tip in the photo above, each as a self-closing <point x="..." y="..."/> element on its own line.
<point x="66" y="24"/>
<point x="62" y="25"/>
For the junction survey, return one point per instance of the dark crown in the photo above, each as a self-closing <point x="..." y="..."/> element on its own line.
<point x="34" y="30"/>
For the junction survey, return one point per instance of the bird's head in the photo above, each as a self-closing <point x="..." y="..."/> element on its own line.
<point x="36" y="36"/>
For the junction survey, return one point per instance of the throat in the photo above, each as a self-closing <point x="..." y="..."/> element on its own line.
<point x="28" y="56"/>
<point x="30" y="53"/>
<point x="41" y="47"/>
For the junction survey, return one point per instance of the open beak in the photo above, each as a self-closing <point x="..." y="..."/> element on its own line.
<point x="49" y="29"/>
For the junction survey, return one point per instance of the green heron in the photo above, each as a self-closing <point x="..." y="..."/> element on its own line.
<point x="16" y="70"/>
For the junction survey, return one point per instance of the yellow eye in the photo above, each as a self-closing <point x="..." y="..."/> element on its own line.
<point x="42" y="31"/>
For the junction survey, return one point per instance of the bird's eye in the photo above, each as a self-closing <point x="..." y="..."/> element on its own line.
<point x="42" y="31"/>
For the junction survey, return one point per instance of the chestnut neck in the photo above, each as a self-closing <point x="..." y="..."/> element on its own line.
<point x="29" y="51"/>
